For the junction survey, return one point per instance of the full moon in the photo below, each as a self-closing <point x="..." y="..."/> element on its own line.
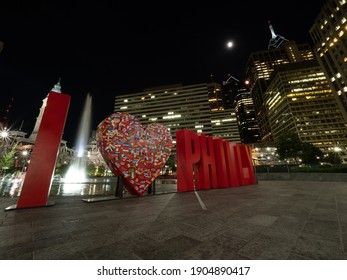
<point x="230" y="44"/>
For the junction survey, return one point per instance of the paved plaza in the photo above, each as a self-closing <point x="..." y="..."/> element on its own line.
<point x="271" y="220"/>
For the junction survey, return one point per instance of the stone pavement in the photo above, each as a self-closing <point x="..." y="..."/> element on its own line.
<point x="271" y="220"/>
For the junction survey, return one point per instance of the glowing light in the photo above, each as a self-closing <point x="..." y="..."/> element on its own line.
<point x="4" y="134"/>
<point x="337" y="149"/>
<point x="230" y="44"/>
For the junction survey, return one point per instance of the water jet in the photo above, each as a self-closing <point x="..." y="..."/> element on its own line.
<point x="77" y="170"/>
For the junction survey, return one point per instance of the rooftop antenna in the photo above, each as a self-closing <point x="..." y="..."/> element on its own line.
<point x="276" y="40"/>
<point x="230" y="78"/>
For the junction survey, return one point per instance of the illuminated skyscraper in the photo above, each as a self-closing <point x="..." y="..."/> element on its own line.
<point x="246" y="119"/>
<point x="299" y="99"/>
<point x="329" y="35"/>
<point x="230" y="90"/>
<point x="259" y="67"/>
<point x="236" y="96"/>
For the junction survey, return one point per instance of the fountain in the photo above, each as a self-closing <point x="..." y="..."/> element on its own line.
<point x="77" y="170"/>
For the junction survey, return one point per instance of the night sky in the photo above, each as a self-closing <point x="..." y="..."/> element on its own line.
<point x="107" y="48"/>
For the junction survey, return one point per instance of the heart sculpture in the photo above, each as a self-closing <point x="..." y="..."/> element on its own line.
<point x="136" y="153"/>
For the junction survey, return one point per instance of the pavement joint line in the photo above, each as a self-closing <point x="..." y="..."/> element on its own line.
<point x="339" y="222"/>
<point x="202" y="204"/>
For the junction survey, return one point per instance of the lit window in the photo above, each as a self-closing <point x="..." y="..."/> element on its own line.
<point x="171" y="117"/>
<point x="143" y="116"/>
<point x="125" y="100"/>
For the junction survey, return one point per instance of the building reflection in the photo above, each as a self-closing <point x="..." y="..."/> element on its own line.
<point x="11" y="185"/>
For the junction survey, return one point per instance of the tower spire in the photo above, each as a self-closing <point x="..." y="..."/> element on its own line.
<point x="57" y="87"/>
<point x="273" y="34"/>
<point x="276" y="40"/>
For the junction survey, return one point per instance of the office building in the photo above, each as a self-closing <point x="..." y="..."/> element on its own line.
<point x="299" y="99"/>
<point x="329" y="36"/>
<point x="230" y="90"/>
<point x="246" y="118"/>
<point x="259" y="68"/>
<point x="194" y="107"/>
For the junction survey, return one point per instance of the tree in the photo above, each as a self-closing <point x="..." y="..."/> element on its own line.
<point x="289" y="146"/>
<point x="7" y="161"/>
<point x="91" y="168"/>
<point x="311" y="154"/>
<point x="333" y="158"/>
<point x="171" y="162"/>
<point x="101" y="170"/>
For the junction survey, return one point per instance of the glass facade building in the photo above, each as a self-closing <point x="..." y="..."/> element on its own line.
<point x="299" y="99"/>
<point x="329" y="36"/>
<point x="246" y="118"/>
<point x="259" y="68"/>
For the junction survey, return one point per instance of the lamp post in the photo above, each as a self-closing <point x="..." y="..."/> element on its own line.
<point x="25" y="154"/>
<point x="5" y="141"/>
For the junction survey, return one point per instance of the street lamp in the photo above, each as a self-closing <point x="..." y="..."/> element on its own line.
<point x="5" y="141"/>
<point x="4" y="134"/>
<point x="25" y="153"/>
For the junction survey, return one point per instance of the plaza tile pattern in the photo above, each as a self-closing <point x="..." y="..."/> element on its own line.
<point x="271" y="220"/>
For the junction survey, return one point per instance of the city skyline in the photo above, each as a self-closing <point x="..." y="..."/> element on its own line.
<point x="108" y="49"/>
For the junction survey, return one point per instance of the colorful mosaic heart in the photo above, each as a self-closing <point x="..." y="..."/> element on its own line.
<point x="137" y="153"/>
